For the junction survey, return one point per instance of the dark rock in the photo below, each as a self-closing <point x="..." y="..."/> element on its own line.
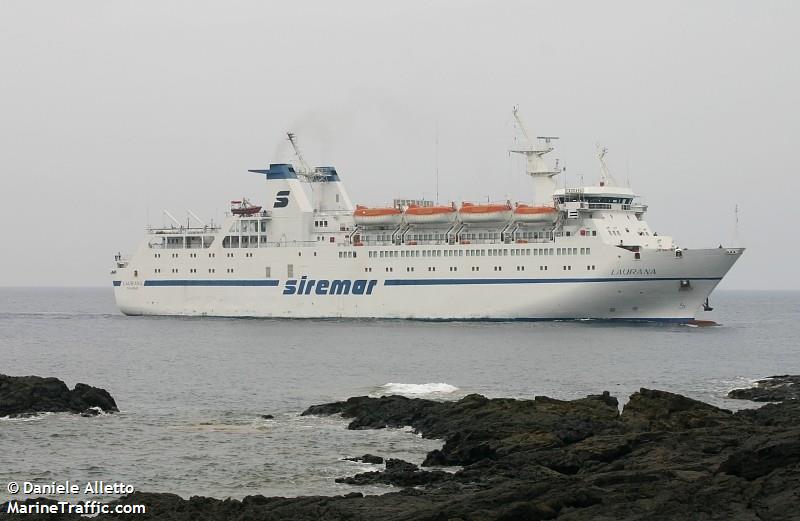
<point x="771" y="389"/>
<point x="267" y="417"/>
<point x="659" y="410"/>
<point x="20" y="395"/>
<point x="399" y="473"/>
<point x="760" y="456"/>
<point x="774" y="414"/>
<point x="367" y="458"/>
<point x="606" y="398"/>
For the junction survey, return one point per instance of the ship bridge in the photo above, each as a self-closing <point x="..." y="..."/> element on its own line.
<point x="575" y="201"/>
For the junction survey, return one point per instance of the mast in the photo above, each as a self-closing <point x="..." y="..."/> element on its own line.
<point x="541" y="173"/>
<point x="606" y="179"/>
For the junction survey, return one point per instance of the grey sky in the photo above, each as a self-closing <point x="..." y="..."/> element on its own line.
<point x="110" y="111"/>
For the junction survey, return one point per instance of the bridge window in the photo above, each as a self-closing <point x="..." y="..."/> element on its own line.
<point x="174" y="242"/>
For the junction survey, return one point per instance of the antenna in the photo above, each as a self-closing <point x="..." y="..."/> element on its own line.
<point x="176" y="221"/>
<point x="196" y="218"/>
<point x="437" y="161"/>
<point x="605" y="176"/>
<point x="524" y="130"/>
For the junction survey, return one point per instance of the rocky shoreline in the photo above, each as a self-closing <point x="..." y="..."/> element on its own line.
<point x="28" y="395"/>
<point x="665" y="456"/>
<point x="770" y="389"/>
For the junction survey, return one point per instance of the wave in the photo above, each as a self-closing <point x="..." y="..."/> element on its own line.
<point x="415" y="390"/>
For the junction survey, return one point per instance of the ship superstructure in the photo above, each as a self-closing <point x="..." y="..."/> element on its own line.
<point x="568" y="253"/>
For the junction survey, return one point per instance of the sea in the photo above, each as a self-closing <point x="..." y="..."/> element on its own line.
<point x="192" y="392"/>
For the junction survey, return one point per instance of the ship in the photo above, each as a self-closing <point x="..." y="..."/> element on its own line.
<point x="570" y="253"/>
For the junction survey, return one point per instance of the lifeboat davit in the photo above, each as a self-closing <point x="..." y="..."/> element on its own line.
<point x="430" y="214"/>
<point x="484" y="213"/>
<point x="365" y="216"/>
<point x="534" y="214"/>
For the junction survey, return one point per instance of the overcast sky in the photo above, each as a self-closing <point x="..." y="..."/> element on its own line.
<point x="111" y="111"/>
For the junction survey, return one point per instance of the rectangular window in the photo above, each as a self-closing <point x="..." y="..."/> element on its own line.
<point x="267" y="272"/>
<point x="290" y="271"/>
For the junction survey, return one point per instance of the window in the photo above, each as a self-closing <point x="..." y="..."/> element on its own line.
<point x="290" y="271"/>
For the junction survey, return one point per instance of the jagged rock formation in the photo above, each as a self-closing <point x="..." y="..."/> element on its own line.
<point x="771" y="389"/>
<point x="22" y="395"/>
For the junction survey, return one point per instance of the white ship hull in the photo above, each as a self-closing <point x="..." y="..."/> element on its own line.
<point x="647" y="289"/>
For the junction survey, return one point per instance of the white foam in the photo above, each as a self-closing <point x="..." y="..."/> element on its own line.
<point x="416" y="389"/>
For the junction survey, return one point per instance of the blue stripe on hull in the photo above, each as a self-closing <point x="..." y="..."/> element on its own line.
<point x="451" y="282"/>
<point x="211" y="282"/>
<point x="671" y="320"/>
<point x="418" y="282"/>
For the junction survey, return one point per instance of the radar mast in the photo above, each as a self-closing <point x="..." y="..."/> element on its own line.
<point x="541" y="173"/>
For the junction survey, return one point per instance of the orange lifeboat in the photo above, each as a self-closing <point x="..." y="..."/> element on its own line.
<point x="534" y="214"/>
<point x="430" y="214"/>
<point x="484" y="213"/>
<point x="366" y="216"/>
